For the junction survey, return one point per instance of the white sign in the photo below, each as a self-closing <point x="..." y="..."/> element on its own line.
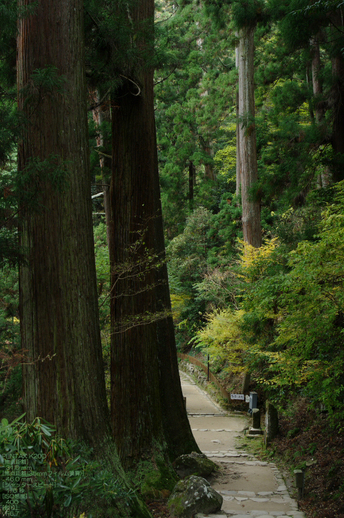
<point x="247" y="399"/>
<point x="238" y="396"/>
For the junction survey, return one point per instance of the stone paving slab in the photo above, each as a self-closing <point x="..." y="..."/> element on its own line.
<point x="212" y="440"/>
<point x="250" y="488"/>
<point x="197" y="401"/>
<point x="201" y="422"/>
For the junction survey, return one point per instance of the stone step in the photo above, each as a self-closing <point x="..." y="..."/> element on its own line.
<point x="250" y="488"/>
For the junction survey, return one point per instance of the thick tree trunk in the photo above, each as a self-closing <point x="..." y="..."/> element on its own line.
<point x="136" y="417"/>
<point x="63" y="379"/>
<point x="247" y="138"/>
<point x="143" y="348"/>
<point x="64" y="375"/>
<point x="152" y="420"/>
<point x="176" y="426"/>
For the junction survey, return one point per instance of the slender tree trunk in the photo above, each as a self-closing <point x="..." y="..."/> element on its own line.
<point x="208" y="168"/>
<point x="316" y="82"/>
<point x="237" y="164"/>
<point x="100" y="114"/>
<point x="325" y="177"/>
<point x="247" y="138"/>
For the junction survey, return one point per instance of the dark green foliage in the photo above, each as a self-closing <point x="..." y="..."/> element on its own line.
<point x="65" y="479"/>
<point x="9" y="305"/>
<point x="9" y="132"/>
<point x="8" y="17"/>
<point x="114" y="55"/>
<point x="226" y="227"/>
<point x="10" y="125"/>
<point x="248" y="12"/>
<point x="298" y="24"/>
<point x="193" y="92"/>
<point x="11" y="384"/>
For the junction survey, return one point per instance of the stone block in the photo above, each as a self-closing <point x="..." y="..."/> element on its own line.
<point x="271" y="423"/>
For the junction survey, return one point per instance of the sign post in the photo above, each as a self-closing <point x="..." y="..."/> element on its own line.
<point x="240" y="397"/>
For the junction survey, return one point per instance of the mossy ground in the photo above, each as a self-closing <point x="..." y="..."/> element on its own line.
<point x="154" y="478"/>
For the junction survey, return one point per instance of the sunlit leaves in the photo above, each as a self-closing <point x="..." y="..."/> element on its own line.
<point x="304" y="308"/>
<point x="222" y="339"/>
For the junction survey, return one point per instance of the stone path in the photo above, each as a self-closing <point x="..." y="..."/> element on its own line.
<point x="250" y="488"/>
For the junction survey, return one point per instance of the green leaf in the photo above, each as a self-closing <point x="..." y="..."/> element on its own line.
<point x="68" y="501"/>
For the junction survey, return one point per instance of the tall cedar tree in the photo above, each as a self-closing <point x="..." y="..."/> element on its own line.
<point x="63" y="377"/>
<point x="143" y="354"/>
<point x="247" y="146"/>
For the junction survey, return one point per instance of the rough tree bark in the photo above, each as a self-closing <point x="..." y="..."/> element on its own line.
<point x="176" y="426"/>
<point x="247" y="137"/>
<point x="64" y="379"/>
<point x="143" y="352"/>
<point x="136" y="420"/>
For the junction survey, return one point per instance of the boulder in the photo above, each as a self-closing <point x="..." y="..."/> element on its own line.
<point x="193" y="495"/>
<point x="194" y="464"/>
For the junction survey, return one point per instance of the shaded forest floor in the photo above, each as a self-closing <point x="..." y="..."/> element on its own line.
<point x="306" y="441"/>
<point x="159" y="509"/>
